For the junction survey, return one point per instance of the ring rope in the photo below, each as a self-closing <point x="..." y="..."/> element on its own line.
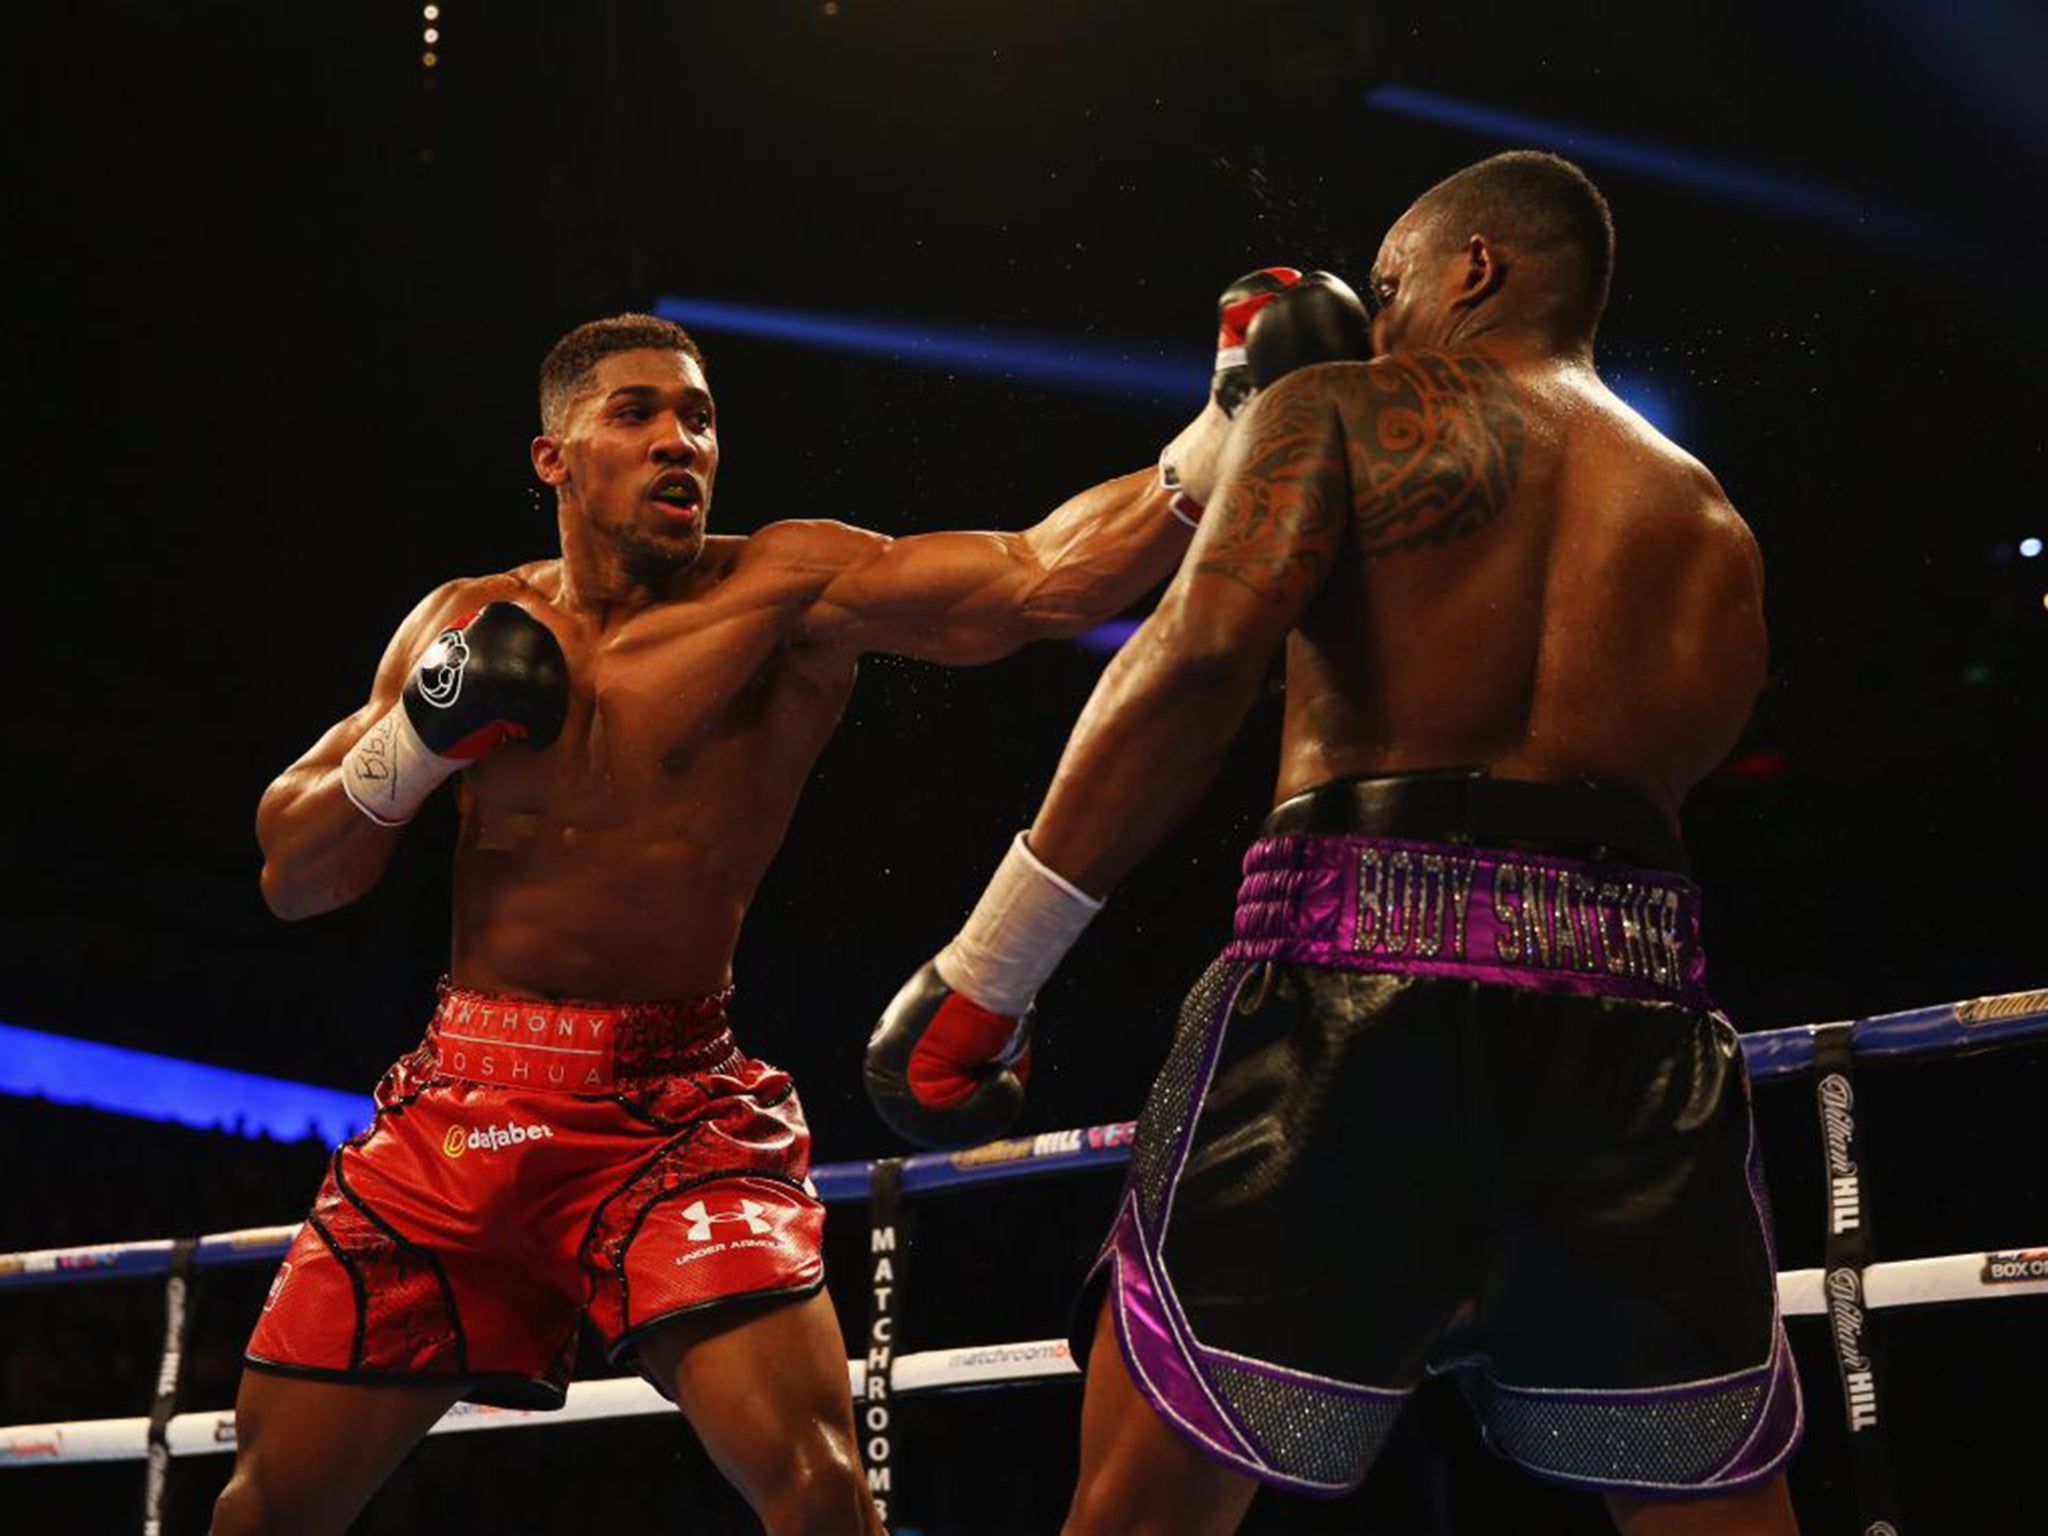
<point x="1974" y="1022"/>
<point x="1769" y="1054"/>
<point x="1903" y="1283"/>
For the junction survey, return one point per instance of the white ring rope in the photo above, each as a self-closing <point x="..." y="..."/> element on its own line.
<point x="1803" y="1292"/>
<point x="1905" y="1283"/>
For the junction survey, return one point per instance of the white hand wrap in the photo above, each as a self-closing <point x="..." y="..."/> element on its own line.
<point x="390" y="771"/>
<point x="1188" y="465"/>
<point x="1018" y="933"/>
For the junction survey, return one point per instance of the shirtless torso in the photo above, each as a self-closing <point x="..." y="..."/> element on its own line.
<point x="1472" y="555"/>
<point x="618" y="862"/>
<point x="1609" y="628"/>
<point x="1474" y="558"/>
<point x="615" y="864"/>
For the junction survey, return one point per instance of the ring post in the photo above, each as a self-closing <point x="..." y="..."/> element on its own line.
<point x="1846" y="1256"/>
<point x="177" y="1331"/>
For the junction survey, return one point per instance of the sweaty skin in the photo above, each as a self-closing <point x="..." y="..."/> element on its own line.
<point x="706" y="674"/>
<point x="616" y="864"/>
<point x="1608" y="626"/>
<point x="1474" y="557"/>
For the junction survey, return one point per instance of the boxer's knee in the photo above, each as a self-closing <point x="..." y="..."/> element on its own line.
<point x="1108" y="1504"/>
<point x="310" y="1454"/>
<point x="1101" y="1506"/>
<point x="253" y="1505"/>
<point x="238" y="1511"/>
<point x="815" y="1488"/>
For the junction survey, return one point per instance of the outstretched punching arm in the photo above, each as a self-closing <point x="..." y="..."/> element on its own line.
<point x="972" y="597"/>
<point x="947" y="1064"/>
<point x="1154" y="733"/>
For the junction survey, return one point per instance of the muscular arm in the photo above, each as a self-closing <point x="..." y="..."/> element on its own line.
<point x="1154" y="733"/>
<point x="968" y="598"/>
<point x="319" y="851"/>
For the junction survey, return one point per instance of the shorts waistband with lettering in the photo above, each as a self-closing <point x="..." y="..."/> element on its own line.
<point x="1484" y="914"/>
<point x="530" y="1044"/>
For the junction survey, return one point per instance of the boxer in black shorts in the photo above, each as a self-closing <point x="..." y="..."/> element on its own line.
<point x="1454" y="1098"/>
<point x="1446" y="1108"/>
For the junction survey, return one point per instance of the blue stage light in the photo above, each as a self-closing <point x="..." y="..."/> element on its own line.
<point x="1107" y="639"/>
<point x="1648" y="400"/>
<point x="1074" y="365"/>
<point x="1715" y="178"/>
<point x="94" y="1075"/>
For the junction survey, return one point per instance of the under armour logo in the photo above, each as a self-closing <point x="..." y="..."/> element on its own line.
<point x="702" y="1220"/>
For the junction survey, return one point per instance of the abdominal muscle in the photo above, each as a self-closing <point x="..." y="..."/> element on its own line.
<point x="613" y="913"/>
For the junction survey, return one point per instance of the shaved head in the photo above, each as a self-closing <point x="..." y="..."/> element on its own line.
<point x="1539" y="208"/>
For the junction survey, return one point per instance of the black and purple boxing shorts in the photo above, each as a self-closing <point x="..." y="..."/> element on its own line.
<point x="1450" y="1107"/>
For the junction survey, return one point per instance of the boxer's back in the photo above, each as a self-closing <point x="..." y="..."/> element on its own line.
<point x="1534" y="581"/>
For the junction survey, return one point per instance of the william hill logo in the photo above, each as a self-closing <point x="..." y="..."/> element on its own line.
<point x="491" y="1138"/>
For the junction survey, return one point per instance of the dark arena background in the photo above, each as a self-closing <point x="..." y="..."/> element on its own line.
<point x="290" y="271"/>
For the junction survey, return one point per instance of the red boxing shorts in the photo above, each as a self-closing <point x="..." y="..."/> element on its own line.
<point x="534" y="1161"/>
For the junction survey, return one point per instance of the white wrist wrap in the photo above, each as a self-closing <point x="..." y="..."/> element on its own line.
<point x="1018" y="933"/>
<point x="390" y="771"/>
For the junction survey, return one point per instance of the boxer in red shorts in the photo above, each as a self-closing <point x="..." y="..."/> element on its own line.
<point x="532" y="1160"/>
<point x="631" y="724"/>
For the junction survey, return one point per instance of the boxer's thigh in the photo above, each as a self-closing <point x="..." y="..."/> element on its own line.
<point x="309" y="1453"/>
<point x="764" y="1384"/>
<point x="1321" y="1218"/>
<point x="1629" y="1340"/>
<point x="1140" y="1476"/>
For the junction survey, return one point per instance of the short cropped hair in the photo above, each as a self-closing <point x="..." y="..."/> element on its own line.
<point x="1543" y="205"/>
<point x="571" y="361"/>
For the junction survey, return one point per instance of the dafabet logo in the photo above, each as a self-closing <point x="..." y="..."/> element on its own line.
<point x="490" y="1138"/>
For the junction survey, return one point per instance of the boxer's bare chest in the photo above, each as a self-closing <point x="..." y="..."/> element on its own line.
<point x="686" y="708"/>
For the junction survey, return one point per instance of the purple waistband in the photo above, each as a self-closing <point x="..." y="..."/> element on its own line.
<point x="1482" y="914"/>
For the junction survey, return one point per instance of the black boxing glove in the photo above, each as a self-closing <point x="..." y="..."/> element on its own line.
<point x="1187" y="465"/>
<point x="1270" y="322"/>
<point x="497" y="675"/>
<point x="1317" y="320"/>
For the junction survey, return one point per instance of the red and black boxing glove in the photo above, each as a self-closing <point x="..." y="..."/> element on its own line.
<point x="947" y="1064"/>
<point x="942" y="1070"/>
<point x="495" y="676"/>
<point x="1269" y="323"/>
<point x="1231" y="385"/>
<point x="498" y="673"/>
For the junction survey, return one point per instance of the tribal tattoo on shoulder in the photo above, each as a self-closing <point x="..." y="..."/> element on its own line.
<point x="1424" y="449"/>
<point x="1282" y="516"/>
<point x="1434" y="448"/>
